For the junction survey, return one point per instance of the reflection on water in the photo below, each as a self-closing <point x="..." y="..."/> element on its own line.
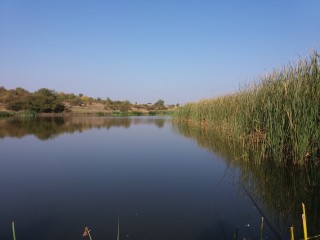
<point x="161" y="185"/>
<point x="277" y="191"/>
<point x="49" y="127"/>
<point x="89" y="171"/>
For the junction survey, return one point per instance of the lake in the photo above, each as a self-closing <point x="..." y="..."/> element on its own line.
<point x="159" y="180"/>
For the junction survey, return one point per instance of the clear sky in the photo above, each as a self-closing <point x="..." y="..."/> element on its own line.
<point x="144" y="50"/>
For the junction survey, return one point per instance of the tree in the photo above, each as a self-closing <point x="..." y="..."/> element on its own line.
<point x="3" y="93"/>
<point x="21" y="92"/>
<point x="45" y="92"/>
<point x="125" y="106"/>
<point x="43" y="100"/>
<point x="159" y="104"/>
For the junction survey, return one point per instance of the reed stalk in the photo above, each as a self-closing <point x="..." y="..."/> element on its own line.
<point x="292" y="233"/>
<point x="277" y="116"/>
<point x="118" y="233"/>
<point x="304" y="223"/>
<point x="87" y="233"/>
<point x="261" y="228"/>
<point x="13" y="232"/>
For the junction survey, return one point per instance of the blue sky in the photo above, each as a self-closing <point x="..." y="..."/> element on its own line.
<point x="144" y="50"/>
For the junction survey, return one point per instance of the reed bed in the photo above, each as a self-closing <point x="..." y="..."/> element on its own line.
<point x="278" y="115"/>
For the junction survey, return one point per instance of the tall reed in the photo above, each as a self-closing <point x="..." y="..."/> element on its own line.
<point x="278" y="115"/>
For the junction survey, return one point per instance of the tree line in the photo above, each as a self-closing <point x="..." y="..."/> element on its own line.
<point x="49" y="101"/>
<point x="43" y="100"/>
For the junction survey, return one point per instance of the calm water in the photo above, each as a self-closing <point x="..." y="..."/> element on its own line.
<point x="59" y="175"/>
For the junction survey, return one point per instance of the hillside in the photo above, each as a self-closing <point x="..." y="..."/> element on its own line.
<point x="45" y="101"/>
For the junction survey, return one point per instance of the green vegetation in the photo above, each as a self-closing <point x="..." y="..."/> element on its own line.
<point x="43" y="100"/>
<point x="5" y="114"/>
<point x="50" y="101"/>
<point x="13" y="232"/>
<point x="277" y="116"/>
<point x="27" y="113"/>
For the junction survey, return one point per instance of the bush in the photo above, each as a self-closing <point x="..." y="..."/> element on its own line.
<point x="44" y="100"/>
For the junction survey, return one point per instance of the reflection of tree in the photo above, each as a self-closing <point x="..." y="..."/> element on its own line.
<point x="159" y="122"/>
<point x="46" y="127"/>
<point x="281" y="190"/>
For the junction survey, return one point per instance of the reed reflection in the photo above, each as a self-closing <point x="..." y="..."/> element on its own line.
<point x="276" y="191"/>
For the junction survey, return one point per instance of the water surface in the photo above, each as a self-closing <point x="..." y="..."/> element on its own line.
<point x="59" y="175"/>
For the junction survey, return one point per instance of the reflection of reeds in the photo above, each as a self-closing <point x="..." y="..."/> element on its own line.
<point x="280" y="189"/>
<point x="279" y="115"/>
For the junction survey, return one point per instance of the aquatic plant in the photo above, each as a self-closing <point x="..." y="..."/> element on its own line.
<point x="86" y="233"/>
<point x="304" y="226"/>
<point x="5" y="114"/>
<point x="278" y="115"/>
<point x="27" y="113"/>
<point x="13" y="232"/>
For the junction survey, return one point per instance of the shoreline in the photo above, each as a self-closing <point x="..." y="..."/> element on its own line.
<point x="83" y="113"/>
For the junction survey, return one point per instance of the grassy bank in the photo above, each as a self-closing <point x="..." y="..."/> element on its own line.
<point x="5" y="114"/>
<point x="278" y="115"/>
